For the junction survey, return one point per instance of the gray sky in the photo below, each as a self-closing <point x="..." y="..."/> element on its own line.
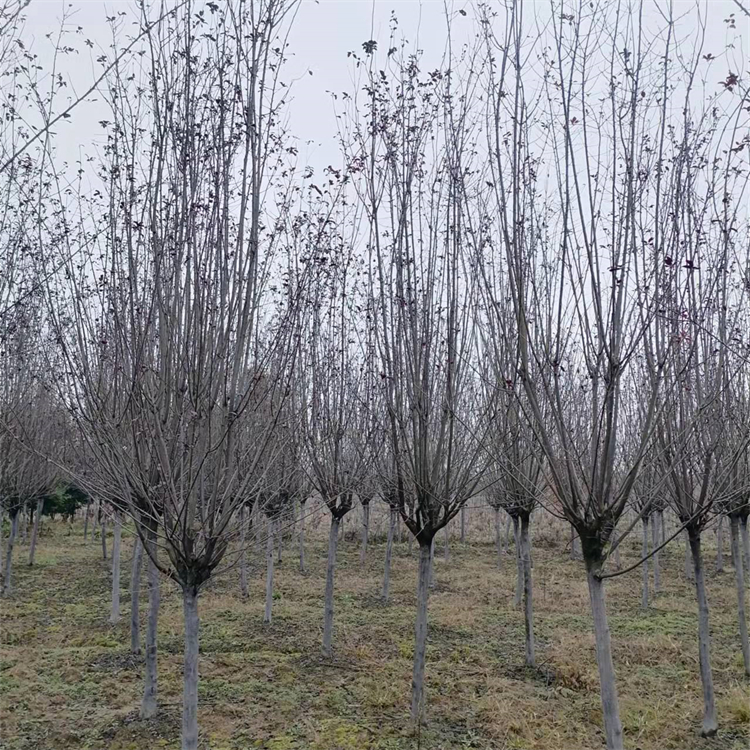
<point x="323" y="33"/>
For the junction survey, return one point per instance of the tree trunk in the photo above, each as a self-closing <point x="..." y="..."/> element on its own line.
<point x="388" y="553"/>
<point x="104" y="538"/>
<point x="258" y="524"/>
<point x="607" y="683"/>
<point x="528" y="591"/>
<point x="463" y="524"/>
<point x="519" y="563"/>
<point x="745" y="545"/>
<point x="243" y="551"/>
<point x="333" y="538"/>
<point x="739" y="576"/>
<point x="190" y="670"/>
<point x="655" y="525"/>
<point x="269" y="569"/>
<point x="431" y="580"/>
<point x="720" y="546"/>
<point x="86" y="522"/>
<point x="508" y="522"/>
<point x="2" y="539"/>
<point x="302" y="537"/>
<point x="365" y="532"/>
<point x="279" y="527"/>
<point x="662" y="530"/>
<point x="575" y="544"/>
<point x="35" y="529"/>
<point x="24" y="525"/>
<point x="420" y="634"/>
<point x="409" y="543"/>
<point x="150" y="684"/>
<point x="498" y="539"/>
<point x="689" y="572"/>
<point x="9" y="552"/>
<point x="114" y="616"/>
<point x="710" y="725"/>
<point x="446" y="544"/>
<point x="644" y="554"/>
<point x="135" y="592"/>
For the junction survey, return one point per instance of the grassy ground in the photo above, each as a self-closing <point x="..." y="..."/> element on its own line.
<point x="67" y="680"/>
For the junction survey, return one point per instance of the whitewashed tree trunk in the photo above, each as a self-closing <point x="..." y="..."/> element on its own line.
<point x="709" y="725"/>
<point x="24" y="525"/>
<point x="608" y="685"/>
<point x="644" y="573"/>
<point x="150" y="683"/>
<point x="498" y="539"/>
<point x="365" y="532"/>
<point x="135" y="592"/>
<point x="739" y="577"/>
<point x="655" y="542"/>
<point x="190" y="670"/>
<point x="333" y="538"/>
<point x="114" y="616"/>
<point x="745" y="545"/>
<point x="302" y="537"/>
<point x="528" y="591"/>
<point x="7" y="581"/>
<point x="720" y="545"/>
<point x="269" y="569"/>
<point x="388" y="553"/>
<point x="243" y="551"/>
<point x="35" y="530"/>
<point x="420" y="634"/>
<point x="463" y="524"/>
<point x="519" y="563"/>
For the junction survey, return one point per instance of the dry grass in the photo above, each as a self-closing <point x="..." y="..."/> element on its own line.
<point x="67" y="680"/>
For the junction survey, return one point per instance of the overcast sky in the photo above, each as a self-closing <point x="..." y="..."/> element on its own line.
<point x="323" y="33"/>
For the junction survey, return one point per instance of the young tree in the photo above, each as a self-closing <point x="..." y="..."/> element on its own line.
<point x="702" y="443"/>
<point x="173" y="365"/>
<point x="411" y="150"/>
<point x="584" y="261"/>
<point x="336" y="387"/>
<point x="135" y="592"/>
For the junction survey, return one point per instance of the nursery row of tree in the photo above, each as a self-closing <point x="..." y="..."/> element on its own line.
<point x="525" y="277"/>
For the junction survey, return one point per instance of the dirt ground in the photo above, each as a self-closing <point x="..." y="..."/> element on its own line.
<point x="67" y="679"/>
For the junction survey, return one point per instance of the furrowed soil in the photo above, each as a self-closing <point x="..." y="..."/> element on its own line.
<point x="67" y="679"/>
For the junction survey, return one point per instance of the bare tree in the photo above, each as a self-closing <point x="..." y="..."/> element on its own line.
<point x="172" y="363"/>
<point x="411" y="150"/>
<point x="135" y="592"/>
<point x="585" y="262"/>
<point x="337" y="421"/>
